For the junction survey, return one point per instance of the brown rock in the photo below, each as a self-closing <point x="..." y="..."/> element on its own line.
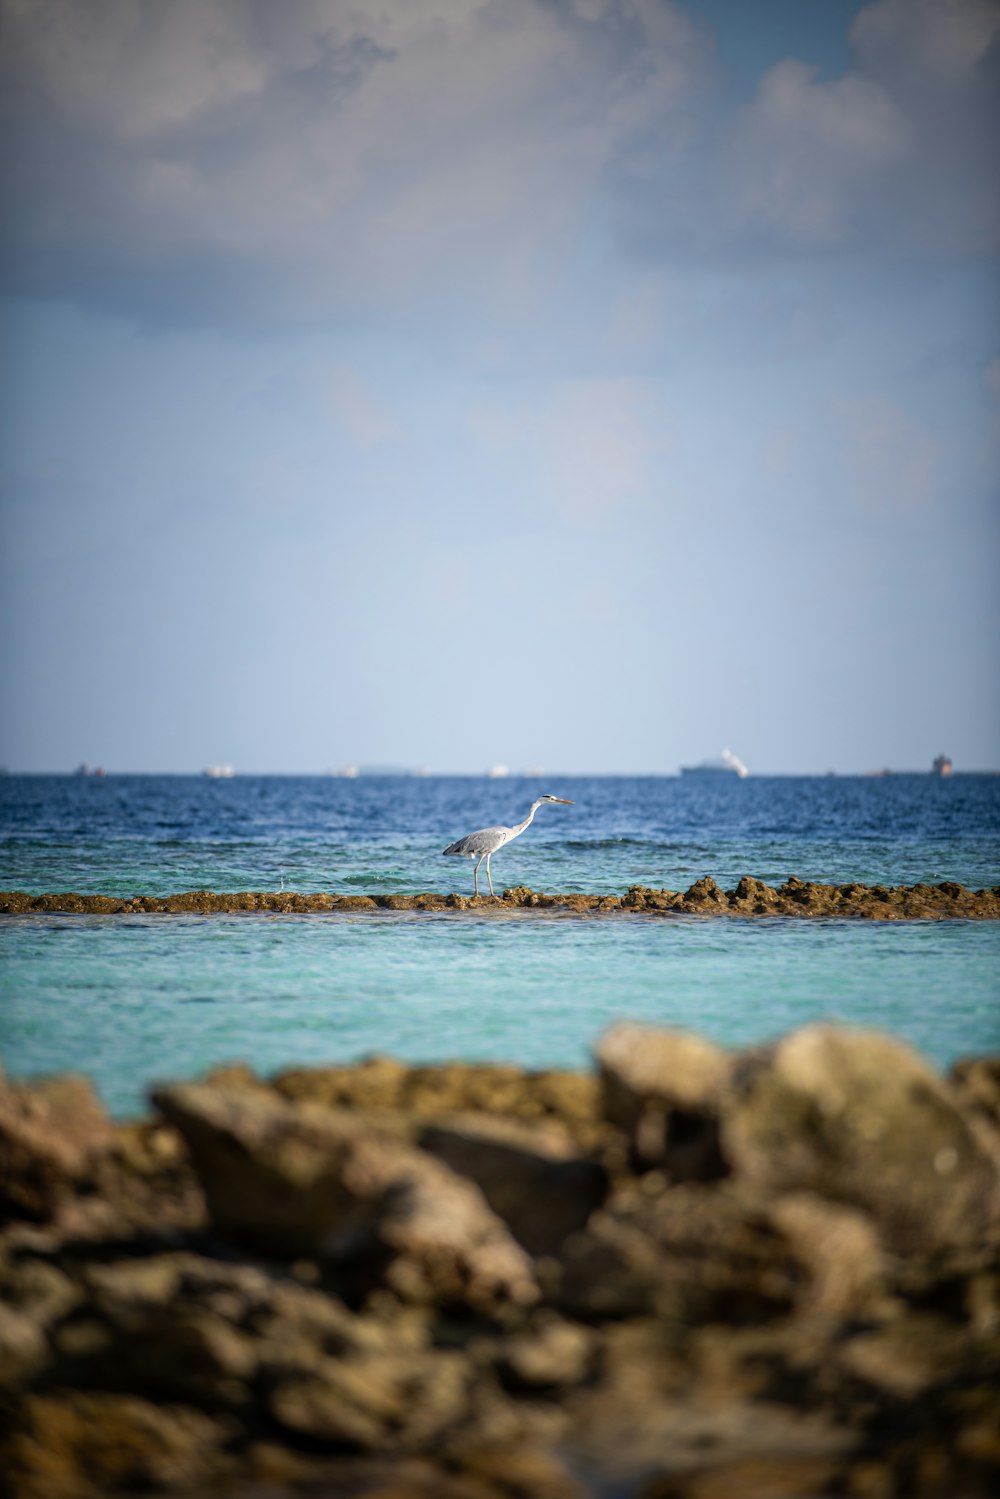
<point x="297" y="1179"/>
<point x="51" y="1134"/>
<point x="976" y="1081"/>
<point x="752" y="897"/>
<point x="689" y="1254"/>
<point x="642" y="898"/>
<point x="664" y="1089"/>
<point x="705" y="893"/>
<point x="839" y="1247"/>
<point x="771" y="1477"/>
<point x="378" y="1402"/>
<point x="83" y="1446"/>
<point x="532" y="1176"/>
<point x="554" y="1354"/>
<point x="522" y="1471"/>
<point x="906" y="1358"/>
<point x="23" y="1347"/>
<point x="859" y="1118"/>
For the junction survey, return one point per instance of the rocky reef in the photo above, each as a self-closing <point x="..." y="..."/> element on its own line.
<point x="689" y="1274"/>
<point x="750" y="897"/>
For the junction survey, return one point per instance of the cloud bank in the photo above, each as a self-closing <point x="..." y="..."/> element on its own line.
<point x="453" y="162"/>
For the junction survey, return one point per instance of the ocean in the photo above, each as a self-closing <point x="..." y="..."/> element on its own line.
<point x="138" y="999"/>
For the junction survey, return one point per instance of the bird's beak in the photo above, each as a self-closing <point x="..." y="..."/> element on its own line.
<point x="564" y="801"/>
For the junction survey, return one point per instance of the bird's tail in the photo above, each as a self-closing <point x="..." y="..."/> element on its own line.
<point x="454" y="848"/>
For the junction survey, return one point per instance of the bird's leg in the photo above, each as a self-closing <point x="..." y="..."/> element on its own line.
<point x="488" y="873"/>
<point x="478" y="862"/>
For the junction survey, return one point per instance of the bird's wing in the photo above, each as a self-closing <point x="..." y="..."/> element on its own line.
<point x="482" y="842"/>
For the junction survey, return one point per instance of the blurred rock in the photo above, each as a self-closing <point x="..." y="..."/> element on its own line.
<point x="297" y="1179"/>
<point x="531" y="1176"/>
<point x="976" y="1081"/>
<point x="664" y="1089"/>
<point x="51" y="1134"/>
<point x="379" y="1402"/>
<point x="766" y="1273"/>
<point x="82" y="1446"/>
<point x="860" y="1118"/>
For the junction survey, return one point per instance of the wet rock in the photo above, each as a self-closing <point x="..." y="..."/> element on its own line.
<point x="51" y="1134"/>
<point x="704" y="894"/>
<point x="859" y="1118"/>
<point x="642" y="898"/>
<point x="751" y="897"/>
<point x="664" y="1090"/>
<point x="296" y="1179"/>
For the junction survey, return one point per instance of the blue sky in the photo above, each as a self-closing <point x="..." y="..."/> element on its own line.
<point x="584" y="384"/>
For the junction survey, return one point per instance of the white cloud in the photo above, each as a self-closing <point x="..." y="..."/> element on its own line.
<point x="358" y="152"/>
<point x="807" y="149"/>
<point x="451" y="165"/>
<point x="939" y="41"/>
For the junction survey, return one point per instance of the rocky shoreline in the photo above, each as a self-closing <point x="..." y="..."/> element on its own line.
<point x="750" y="897"/>
<point x="689" y="1274"/>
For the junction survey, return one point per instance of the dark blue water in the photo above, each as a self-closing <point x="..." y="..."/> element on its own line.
<point x="129" y="1000"/>
<point x="160" y="834"/>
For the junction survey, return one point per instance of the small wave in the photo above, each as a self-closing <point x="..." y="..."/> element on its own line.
<point x="587" y="845"/>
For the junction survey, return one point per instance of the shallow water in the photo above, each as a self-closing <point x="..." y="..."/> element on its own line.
<point x="132" y="1000"/>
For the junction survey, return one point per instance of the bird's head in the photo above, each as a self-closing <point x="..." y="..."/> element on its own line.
<point x="560" y="799"/>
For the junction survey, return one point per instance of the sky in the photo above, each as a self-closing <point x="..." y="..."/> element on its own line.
<point x="588" y="385"/>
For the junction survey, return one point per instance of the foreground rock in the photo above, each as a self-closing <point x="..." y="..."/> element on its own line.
<point x="695" y="1273"/>
<point x="750" y="897"/>
<point x="296" y="1179"/>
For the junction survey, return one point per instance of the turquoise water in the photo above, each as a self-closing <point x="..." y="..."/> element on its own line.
<point x="133" y="1000"/>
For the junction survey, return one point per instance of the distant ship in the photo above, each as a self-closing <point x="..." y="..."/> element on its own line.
<point x="726" y="765"/>
<point x="942" y="766"/>
<point x="497" y="772"/>
<point x="218" y="772"/>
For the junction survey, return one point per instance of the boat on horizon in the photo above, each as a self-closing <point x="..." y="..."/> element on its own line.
<point x="727" y="764"/>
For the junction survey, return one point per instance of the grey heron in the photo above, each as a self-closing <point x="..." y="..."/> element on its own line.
<point x="480" y="845"/>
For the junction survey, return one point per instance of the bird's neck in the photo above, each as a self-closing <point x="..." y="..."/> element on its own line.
<point x="520" y="827"/>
